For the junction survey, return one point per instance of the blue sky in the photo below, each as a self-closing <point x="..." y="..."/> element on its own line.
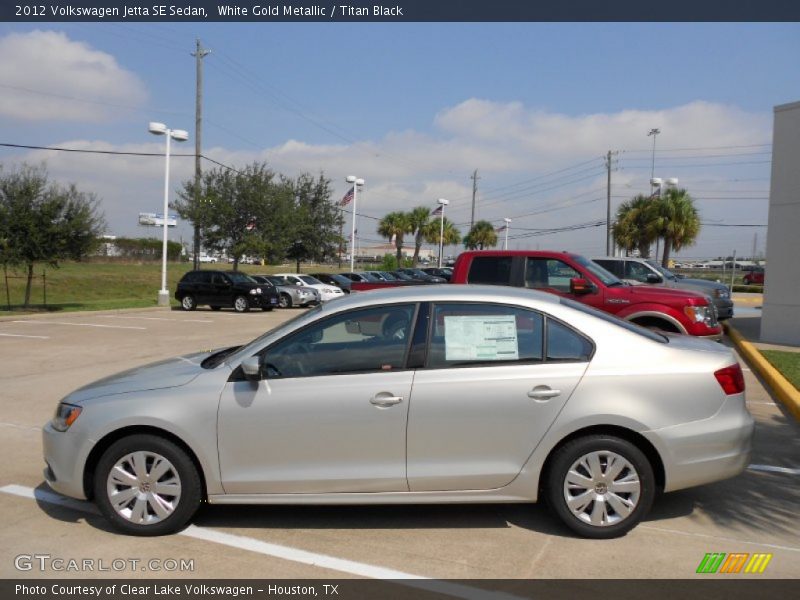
<point x="414" y="108"/>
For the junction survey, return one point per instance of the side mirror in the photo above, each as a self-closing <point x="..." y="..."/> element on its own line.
<point x="653" y="278"/>
<point x="580" y="286"/>
<point x="251" y="367"/>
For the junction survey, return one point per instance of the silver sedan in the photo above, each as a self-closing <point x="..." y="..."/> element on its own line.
<point x="423" y="394"/>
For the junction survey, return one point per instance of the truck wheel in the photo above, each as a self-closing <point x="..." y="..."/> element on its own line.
<point x="146" y="485"/>
<point x="600" y="486"/>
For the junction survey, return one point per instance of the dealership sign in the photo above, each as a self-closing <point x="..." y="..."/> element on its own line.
<point x="157" y="220"/>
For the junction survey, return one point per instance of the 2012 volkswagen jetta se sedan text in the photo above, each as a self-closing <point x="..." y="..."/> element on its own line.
<point x="429" y="394"/>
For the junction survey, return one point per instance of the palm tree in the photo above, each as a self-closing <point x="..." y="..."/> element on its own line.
<point x="450" y="233"/>
<point x="394" y="226"/>
<point x="676" y="220"/>
<point x="634" y="229"/>
<point x="482" y="235"/>
<point x="419" y="219"/>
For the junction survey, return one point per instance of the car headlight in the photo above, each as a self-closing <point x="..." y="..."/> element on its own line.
<point x="255" y="291"/>
<point x="700" y="314"/>
<point x="65" y="416"/>
<point x="329" y="291"/>
<point x="722" y="293"/>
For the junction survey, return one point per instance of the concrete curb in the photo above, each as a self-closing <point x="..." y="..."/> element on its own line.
<point x="57" y="314"/>
<point x="778" y="384"/>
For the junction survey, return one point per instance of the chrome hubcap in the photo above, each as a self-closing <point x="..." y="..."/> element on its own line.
<point x="241" y="304"/>
<point x="602" y="488"/>
<point x="187" y="302"/>
<point x="143" y="488"/>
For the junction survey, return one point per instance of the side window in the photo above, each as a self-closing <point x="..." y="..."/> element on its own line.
<point x="548" y="273"/>
<point x="565" y="344"/>
<point x="636" y="271"/>
<point x="365" y="340"/>
<point x="219" y="279"/>
<point x="191" y="277"/>
<point x="204" y="277"/>
<point x="491" y="270"/>
<point x="612" y="266"/>
<point x="466" y="335"/>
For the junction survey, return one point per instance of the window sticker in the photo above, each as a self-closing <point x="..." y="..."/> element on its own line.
<point x="481" y="338"/>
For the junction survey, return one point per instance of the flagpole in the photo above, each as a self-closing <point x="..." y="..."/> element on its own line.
<point x="505" y="244"/>
<point x="356" y="183"/>
<point x="443" y="203"/>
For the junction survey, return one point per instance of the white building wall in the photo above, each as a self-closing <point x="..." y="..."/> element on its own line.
<point x="780" y="322"/>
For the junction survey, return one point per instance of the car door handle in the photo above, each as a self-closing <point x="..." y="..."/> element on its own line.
<point x="543" y="393"/>
<point x="385" y="401"/>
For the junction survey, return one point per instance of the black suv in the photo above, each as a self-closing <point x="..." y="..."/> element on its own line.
<point x="224" y="288"/>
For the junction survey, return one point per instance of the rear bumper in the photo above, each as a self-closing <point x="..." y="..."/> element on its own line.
<point x="705" y="451"/>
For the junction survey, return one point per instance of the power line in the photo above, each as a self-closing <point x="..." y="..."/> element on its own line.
<point x="85" y="151"/>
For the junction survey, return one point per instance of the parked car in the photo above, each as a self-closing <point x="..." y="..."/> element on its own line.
<point x="339" y="281"/>
<point x="643" y="271"/>
<point x="444" y="272"/>
<point x="326" y="292"/>
<point x="576" y="277"/>
<point x="224" y="289"/>
<point x="754" y="277"/>
<point x="205" y="258"/>
<point x="290" y="295"/>
<point x="420" y="275"/>
<point x="417" y="394"/>
<point x="354" y="276"/>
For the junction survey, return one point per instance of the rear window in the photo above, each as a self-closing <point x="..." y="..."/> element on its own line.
<point x="491" y="270"/>
<point x="609" y="318"/>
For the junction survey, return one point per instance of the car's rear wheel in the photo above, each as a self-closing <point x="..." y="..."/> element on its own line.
<point x="188" y="303"/>
<point x="241" y="304"/>
<point x="285" y="301"/>
<point x="600" y="486"/>
<point x="146" y="485"/>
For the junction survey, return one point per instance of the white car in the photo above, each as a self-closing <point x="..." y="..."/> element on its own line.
<point x="326" y="292"/>
<point x="205" y="258"/>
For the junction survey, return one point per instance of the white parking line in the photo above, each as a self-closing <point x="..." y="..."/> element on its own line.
<point x="18" y="426"/>
<point x="771" y="469"/>
<point x="158" y="319"/>
<point x="711" y="537"/>
<point x="35" y="337"/>
<point x="79" y="324"/>
<point x="283" y="552"/>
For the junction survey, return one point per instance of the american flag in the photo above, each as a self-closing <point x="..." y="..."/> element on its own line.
<point x="347" y="198"/>
<point x="501" y="229"/>
<point x="438" y="211"/>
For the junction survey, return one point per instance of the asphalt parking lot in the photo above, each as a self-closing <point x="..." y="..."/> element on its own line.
<point x="45" y="357"/>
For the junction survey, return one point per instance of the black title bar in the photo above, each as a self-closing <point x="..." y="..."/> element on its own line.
<point x="264" y="11"/>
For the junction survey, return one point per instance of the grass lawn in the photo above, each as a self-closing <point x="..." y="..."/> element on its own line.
<point x="788" y="363"/>
<point x="103" y="285"/>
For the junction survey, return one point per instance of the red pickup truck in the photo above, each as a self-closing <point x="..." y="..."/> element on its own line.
<point x="578" y="278"/>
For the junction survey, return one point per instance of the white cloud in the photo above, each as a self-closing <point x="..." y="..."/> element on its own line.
<point x="50" y="63"/>
<point x="511" y="145"/>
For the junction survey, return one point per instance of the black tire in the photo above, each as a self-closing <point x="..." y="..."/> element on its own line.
<point x="181" y="468"/>
<point x="285" y="301"/>
<point x="216" y="308"/>
<point x="607" y="449"/>
<point x="188" y="302"/>
<point x="241" y="304"/>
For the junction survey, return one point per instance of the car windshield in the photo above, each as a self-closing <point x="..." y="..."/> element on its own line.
<point x="598" y="271"/>
<point x="309" y="280"/>
<point x="388" y="276"/>
<point x="370" y="277"/>
<point x="340" y="279"/>
<point x="609" y="318"/>
<point x="240" y="277"/>
<point x="665" y="272"/>
<point x="275" y="280"/>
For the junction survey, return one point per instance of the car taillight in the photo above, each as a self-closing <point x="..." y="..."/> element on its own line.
<point x="731" y="379"/>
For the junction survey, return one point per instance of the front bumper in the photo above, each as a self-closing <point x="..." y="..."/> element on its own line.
<point x="724" y="308"/>
<point x="65" y="455"/>
<point x="261" y="301"/>
<point x="708" y="450"/>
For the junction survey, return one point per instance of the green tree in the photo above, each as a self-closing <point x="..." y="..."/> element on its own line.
<point x="45" y="222"/>
<point x="247" y="211"/>
<point x="316" y="222"/>
<point x="419" y="220"/>
<point x="450" y="233"/>
<point x="481" y="236"/>
<point x="394" y="226"/>
<point x="675" y="219"/>
<point x="634" y="228"/>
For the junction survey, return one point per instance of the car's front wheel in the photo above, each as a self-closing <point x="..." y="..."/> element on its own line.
<point x="600" y="486"/>
<point x="285" y="301"/>
<point x="241" y="304"/>
<point x="188" y="303"/>
<point x="146" y="485"/>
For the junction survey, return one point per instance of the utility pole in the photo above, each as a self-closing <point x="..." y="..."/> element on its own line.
<point x="474" y="194"/>
<point x="755" y="243"/>
<point x="199" y="54"/>
<point x="609" y="245"/>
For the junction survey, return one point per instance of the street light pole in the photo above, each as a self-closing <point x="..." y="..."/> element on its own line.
<point x="444" y="203"/>
<point x="356" y="183"/>
<point x="505" y="243"/>
<point x="178" y="135"/>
